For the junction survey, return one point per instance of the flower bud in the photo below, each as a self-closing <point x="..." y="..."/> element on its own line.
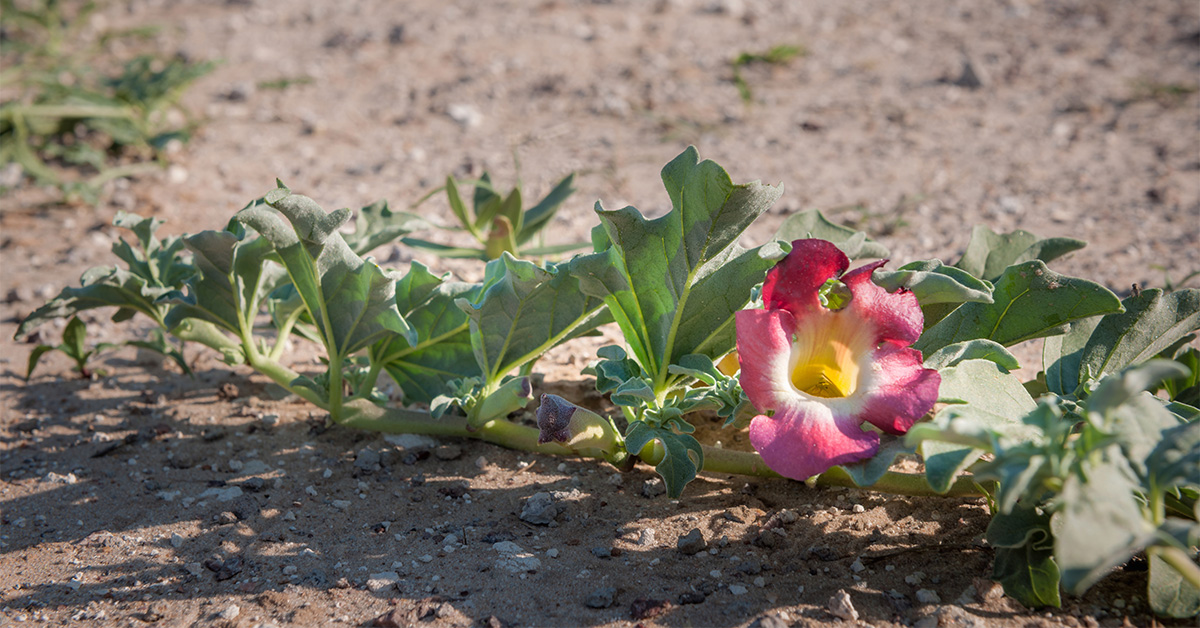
<point x="579" y="428"/>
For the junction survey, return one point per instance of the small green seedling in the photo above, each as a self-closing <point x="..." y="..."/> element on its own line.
<point x="74" y="346"/>
<point x="777" y="55"/>
<point x="498" y="222"/>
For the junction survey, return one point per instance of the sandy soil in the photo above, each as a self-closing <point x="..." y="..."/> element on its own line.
<point x="147" y="497"/>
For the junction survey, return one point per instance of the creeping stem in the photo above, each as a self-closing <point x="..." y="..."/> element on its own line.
<point x="364" y="415"/>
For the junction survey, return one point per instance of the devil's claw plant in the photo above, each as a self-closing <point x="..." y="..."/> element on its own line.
<point x="835" y="372"/>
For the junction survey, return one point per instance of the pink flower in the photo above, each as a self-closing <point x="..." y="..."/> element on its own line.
<point x="819" y="373"/>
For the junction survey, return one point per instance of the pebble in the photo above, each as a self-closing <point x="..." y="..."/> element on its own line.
<point x="914" y="578"/>
<point x="840" y="606"/>
<point x="289" y="516"/>
<point x="194" y="568"/>
<point x="367" y="459"/>
<point x="382" y="580"/>
<point x="646" y="537"/>
<point x="602" y="552"/>
<point x="616" y="479"/>
<point x="176" y="540"/>
<point x="340" y="504"/>
<point x="760" y="582"/>
<point x="738" y="589"/>
<point x="653" y="487"/>
<point x="466" y="115"/>
<point x="601" y="598"/>
<point x="225" y="518"/>
<point x="231" y="612"/>
<point x="857" y="566"/>
<point x="859" y="508"/>
<point x="540" y="509"/>
<point x="928" y="596"/>
<point x="481" y="463"/>
<point x="448" y="452"/>
<point x="552" y="553"/>
<point x="514" y="558"/>
<point x="411" y="441"/>
<point x="691" y="543"/>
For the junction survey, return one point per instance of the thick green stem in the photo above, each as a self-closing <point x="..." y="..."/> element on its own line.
<point x="367" y="416"/>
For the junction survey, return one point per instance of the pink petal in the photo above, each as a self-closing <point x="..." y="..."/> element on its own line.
<point x="793" y="283"/>
<point x="807" y="439"/>
<point x="897" y="316"/>
<point x="764" y="349"/>
<point x="901" y="391"/>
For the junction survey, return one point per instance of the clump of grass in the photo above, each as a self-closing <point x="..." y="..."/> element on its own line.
<point x="75" y="116"/>
<point x="776" y="55"/>
<point x="1165" y="94"/>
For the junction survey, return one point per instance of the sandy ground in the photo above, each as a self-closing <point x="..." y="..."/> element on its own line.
<point x="147" y="497"/>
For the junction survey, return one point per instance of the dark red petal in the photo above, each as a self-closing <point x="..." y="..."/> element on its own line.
<point x="794" y="282"/>
<point x="902" y="392"/>
<point x="897" y="316"/>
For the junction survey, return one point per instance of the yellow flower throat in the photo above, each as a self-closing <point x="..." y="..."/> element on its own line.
<point x="828" y="371"/>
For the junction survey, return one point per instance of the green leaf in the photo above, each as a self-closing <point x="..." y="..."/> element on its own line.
<point x="1175" y="459"/>
<point x="868" y="472"/>
<point x="988" y="253"/>
<point x="101" y="287"/>
<point x="1024" y="562"/>
<point x="445" y="250"/>
<point x="933" y="282"/>
<point x="156" y="261"/>
<point x="987" y="394"/>
<point x="814" y="224"/>
<point x="1169" y="593"/>
<point x="459" y="208"/>
<point x="674" y="283"/>
<point x="523" y="311"/>
<point x="538" y="216"/>
<point x="1031" y="301"/>
<point x="1152" y="321"/>
<point x="233" y="279"/>
<point x="1062" y="355"/>
<point x="35" y="356"/>
<point x="376" y="225"/>
<point x="682" y="454"/>
<point x="953" y="355"/>
<point x="352" y="302"/>
<point x="443" y="351"/>
<point x="74" y="340"/>
<point x="1098" y="526"/>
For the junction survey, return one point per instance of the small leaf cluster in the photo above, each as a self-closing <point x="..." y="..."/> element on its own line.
<point x="97" y="124"/>
<point x="498" y="222"/>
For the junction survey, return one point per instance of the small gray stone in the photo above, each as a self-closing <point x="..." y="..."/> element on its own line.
<point x="601" y="598"/>
<point x="367" y="459"/>
<point x="840" y="606"/>
<point x="448" y="452"/>
<point x="340" y="504"/>
<point x="646" y="537"/>
<point x="928" y="596"/>
<point x="692" y="543"/>
<point x="540" y="509"/>
<point x="223" y="494"/>
<point x="653" y="487"/>
<point x="602" y="552"/>
<point x="382" y="580"/>
<point x="514" y="558"/>
<point x="738" y="589"/>
<point x="231" y="612"/>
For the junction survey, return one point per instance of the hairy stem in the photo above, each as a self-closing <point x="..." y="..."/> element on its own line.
<point x="367" y="416"/>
